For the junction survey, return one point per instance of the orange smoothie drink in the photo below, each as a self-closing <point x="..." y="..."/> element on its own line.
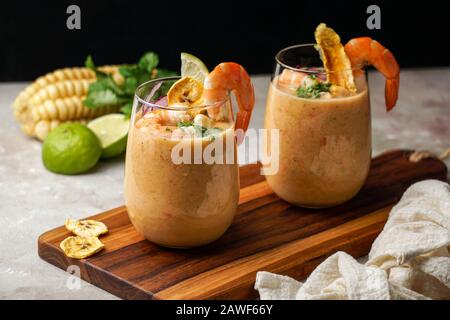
<point x="181" y="171"/>
<point x="324" y="144"/>
<point x="318" y="100"/>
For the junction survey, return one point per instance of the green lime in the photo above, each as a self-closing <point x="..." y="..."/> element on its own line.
<point x="71" y="148"/>
<point x="112" y="130"/>
<point x="193" y="67"/>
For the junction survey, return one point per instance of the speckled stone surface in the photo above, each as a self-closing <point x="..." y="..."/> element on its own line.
<point x="33" y="200"/>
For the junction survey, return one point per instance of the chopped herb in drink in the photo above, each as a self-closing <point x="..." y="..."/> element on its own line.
<point x="184" y="124"/>
<point x="314" y="90"/>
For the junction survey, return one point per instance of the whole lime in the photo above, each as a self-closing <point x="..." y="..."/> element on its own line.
<point x="71" y="148"/>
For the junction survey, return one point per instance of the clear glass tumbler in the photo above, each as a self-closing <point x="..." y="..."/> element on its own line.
<point x="181" y="171"/>
<point x="324" y="141"/>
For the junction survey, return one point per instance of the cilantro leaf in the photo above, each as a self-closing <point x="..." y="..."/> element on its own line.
<point x="89" y="63"/>
<point x="104" y="98"/>
<point x="106" y="92"/>
<point x="148" y="62"/>
<point x="184" y="124"/>
<point x="313" y="91"/>
<point x="130" y="85"/>
<point x="126" y="109"/>
<point x="162" y="73"/>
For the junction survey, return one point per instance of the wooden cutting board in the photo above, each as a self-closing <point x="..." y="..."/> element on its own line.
<point x="268" y="234"/>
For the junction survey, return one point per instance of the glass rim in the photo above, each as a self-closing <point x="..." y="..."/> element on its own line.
<point x="142" y="100"/>
<point x="313" y="45"/>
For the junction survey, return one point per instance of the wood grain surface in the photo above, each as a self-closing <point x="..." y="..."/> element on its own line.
<point x="268" y="234"/>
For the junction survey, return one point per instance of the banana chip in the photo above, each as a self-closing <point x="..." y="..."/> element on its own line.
<point x="339" y="92"/>
<point x="336" y="63"/>
<point x="80" y="247"/>
<point x="185" y="91"/>
<point x="86" y="228"/>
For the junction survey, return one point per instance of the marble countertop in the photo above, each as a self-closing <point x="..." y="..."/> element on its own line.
<point x="33" y="200"/>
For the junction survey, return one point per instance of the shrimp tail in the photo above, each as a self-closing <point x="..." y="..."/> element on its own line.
<point x="246" y="100"/>
<point x="243" y="119"/>
<point x="391" y="92"/>
<point x="365" y="50"/>
<point x="230" y="76"/>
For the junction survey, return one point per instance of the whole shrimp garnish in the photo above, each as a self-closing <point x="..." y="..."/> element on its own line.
<point x="226" y="77"/>
<point x="364" y="50"/>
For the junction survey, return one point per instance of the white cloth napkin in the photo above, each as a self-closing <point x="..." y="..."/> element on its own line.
<point x="409" y="260"/>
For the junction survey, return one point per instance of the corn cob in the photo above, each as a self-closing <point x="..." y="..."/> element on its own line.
<point x="20" y="104"/>
<point x="70" y="108"/>
<point x="58" y="97"/>
<point x="60" y="75"/>
<point x="59" y="90"/>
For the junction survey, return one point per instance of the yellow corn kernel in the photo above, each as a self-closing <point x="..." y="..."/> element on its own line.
<point x="112" y="68"/>
<point x="114" y="71"/>
<point x="118" y="78"/>
<point x="20" y="103"/>
<point x="28" y="128"/>
<point x="42" y="129"/>
<point x="67" y="74"/>
<point x="70" y="108"/>
<point x="62" y="89"/>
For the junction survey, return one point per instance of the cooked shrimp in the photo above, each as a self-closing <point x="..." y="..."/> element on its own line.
<point x="291" y="79"/>
<point x="230" y="76"/>
<point x="364" y="50"/>
<point x="150" y="119"/>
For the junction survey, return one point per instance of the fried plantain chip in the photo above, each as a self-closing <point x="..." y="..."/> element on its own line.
<point x="80" y="247"/>
<point x="339" y="92"/>
<point x="336" y="63"/>
<point x="86" y="228"/>
<point x="185" y="91"/>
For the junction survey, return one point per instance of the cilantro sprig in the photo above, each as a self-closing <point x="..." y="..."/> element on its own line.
<point x="201" y="131"/>
<point x="106" y="92"/>
<point x="181" y="124"/>
<point x="313" y="91"/>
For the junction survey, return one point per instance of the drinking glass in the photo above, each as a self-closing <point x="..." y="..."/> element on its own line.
<point x="324" y="142"/>
<point x="177" y="196"/>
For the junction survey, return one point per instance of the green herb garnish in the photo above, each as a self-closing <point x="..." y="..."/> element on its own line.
<point x="200" y="130"/>
<point x="184" y="124"/>
<point x="106" y="92"/>
<point x="313" y="91"/>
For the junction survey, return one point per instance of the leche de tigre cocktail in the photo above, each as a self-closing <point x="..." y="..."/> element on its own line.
<point x="176" y="196"/>
<point x="318" y="104"/>
<point x="319" y="101"/>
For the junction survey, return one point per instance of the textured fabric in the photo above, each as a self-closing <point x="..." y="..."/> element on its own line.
<point x="409" y="259"/>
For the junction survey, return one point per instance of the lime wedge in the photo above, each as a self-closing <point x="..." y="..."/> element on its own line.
<point x="193" y="67"/>
<point x="112" y="131"/>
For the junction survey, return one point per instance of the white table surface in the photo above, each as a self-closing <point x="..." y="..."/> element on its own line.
<point x="33" y="200"/>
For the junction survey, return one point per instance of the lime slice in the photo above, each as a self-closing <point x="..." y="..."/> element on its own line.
<point x="71" y="148"/>
<point x="112" y="130"/>
<point x="193" y="67"/>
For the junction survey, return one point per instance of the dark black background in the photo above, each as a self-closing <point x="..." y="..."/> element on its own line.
<point x="34" y="38"/>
